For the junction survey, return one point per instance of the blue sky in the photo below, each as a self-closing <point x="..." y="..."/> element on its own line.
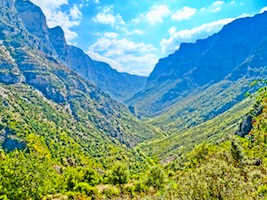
<point x="133" y="35"/>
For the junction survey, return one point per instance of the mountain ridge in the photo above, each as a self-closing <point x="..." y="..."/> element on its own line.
<point x="26" y="59"/>
<point x="100" y="73"/>
<point x="196" y="66"/>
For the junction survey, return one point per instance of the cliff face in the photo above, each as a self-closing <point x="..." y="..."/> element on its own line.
<point x="26" y="59"/>
<point x="34" y="20"/>
<point x="101" y="74"/>
<point x="227" y="55"/>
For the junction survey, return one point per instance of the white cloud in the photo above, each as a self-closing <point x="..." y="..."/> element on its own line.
<point x="124" y="55"/>
<point x="232" y="2"/>
<point x="154" y="16"/>
<point x="111" y="35"/>
<point x="136" y="31"/>
<point x="50" y="4"/>
<point x="263" y="9"/>
<point x="216" y="9"/>
<point x="132" y="32"/>
<point x="107" y="17"/>
<point x="98" y="57"/>
<point x="218" y="3"/>
<point x="191" y="35"/>
<point x="75" y="13"/>
<point x="96" y="1"/>
<point x="116" y="47"/>
<point x="55" y="17"/>
<point x="216" y="6"/>
<point x="184" y="13"/>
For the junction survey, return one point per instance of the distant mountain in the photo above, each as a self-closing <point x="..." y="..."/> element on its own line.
<point x="28" y="59"/>
<point x="101" y="74"/>
<point x="206" y="78"/>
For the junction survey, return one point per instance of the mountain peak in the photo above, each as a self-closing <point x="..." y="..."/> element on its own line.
<point x="196" y="66"/>
<point x="33" y="18"/>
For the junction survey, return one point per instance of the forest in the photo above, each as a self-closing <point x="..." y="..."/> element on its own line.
<point x="52" y="166"/>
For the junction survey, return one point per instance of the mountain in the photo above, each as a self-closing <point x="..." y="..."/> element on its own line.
<point x="201" y="71"/>
<point x="101" y="74"/>
<point x="61" y="137"/>
<point x="31" y="60"/>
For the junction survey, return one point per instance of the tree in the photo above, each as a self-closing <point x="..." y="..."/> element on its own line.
<point x="156" y="177"/>
<point x="119" y="175"/>
<point x="92" y="177"/>
<point x="236" y="152"/>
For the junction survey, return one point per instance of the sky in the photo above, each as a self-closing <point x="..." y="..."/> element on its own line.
<point x="133" y="35"/>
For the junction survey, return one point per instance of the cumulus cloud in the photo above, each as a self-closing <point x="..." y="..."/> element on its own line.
<point x="216" y="6"/>
<point x="75" y="13"/>
<point x="124" y="55"/>
<point x="56" y="17"/>
<point x="184" y="13"/>
<point x="191" y="35"/>
<point x="107" y="17"/>
<point x="232" y="2"/>
<point x="263" y="9"/>
<point x="116" y="47"/>
<point x="155" y="15"/>
<point x="111" y="35"/>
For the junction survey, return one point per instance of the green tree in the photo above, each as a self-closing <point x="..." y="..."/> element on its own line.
<point x="236" y="152"/>
<point x="85" y="188"/>
<point x="156" y="177"/>
<point x="92" y="177"/>
<point x="119" y="175"/>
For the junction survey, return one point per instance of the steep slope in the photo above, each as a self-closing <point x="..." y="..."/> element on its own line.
<point x="220" y="128"/>
<point x="30" y="60"/>
<point x="101" y="74"/>
<point x="237" y="51"/>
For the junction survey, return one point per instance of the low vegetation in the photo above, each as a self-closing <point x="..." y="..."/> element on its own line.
<point x="46" y="160"/>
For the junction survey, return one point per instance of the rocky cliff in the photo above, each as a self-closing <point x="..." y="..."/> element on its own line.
<point x="26" y="59"/>
<point x="101" y="74"/>
<point x="237" y="51"/>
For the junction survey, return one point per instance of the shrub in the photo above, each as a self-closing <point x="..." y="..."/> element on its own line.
<point x="85" y="188"/>
<point x="111" y="192"/>
<point x="156" y="177"/>
<point x="119" y="174"/>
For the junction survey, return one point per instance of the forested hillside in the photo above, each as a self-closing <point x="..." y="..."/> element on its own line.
<point x="62" y="137"/>
<point x="117" y="84"/>
<point x="236" y="53"/>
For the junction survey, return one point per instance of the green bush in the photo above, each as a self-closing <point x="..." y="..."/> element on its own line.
<point x="111" y="192"/>
<point x="92" y="177"/>
<point x="156" y="177"/>
<point x="140" y="187"/>
<point x="85" y="188"/>
<point x="119" y="174"/>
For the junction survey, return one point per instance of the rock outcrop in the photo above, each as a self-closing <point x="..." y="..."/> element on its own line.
<point x="237" y="51"/>
<point x="101" y="74"/>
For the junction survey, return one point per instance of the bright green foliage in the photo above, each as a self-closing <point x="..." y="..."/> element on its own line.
<point x="24" y="176"/>
<point x="111" y="192"/>
<point x="236" y="152"/>
<point x="156" y="177"/>
<point x="214" y="180"/>
<point x="86" y="189"/>
<point x="92" y="177"/>
<point x="119" y="174"/>
<point x="65" y="160"/>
